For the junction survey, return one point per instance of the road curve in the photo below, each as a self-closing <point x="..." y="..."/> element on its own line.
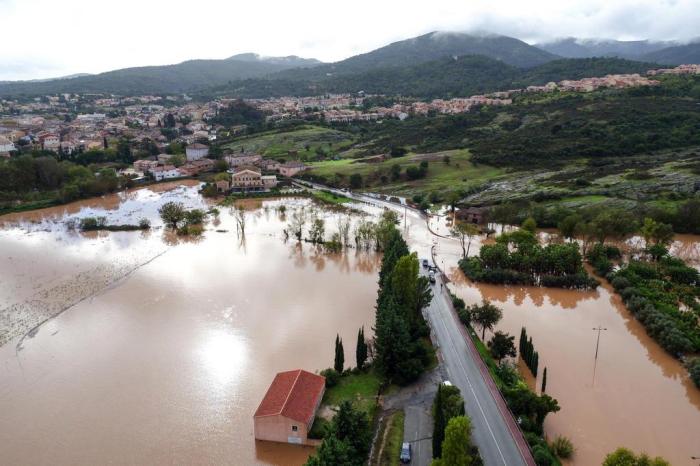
<point x="495" y="433"/>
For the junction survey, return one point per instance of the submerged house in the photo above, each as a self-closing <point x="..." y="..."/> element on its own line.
<point x="288" y="409"/>
<point x="472" y="215"/>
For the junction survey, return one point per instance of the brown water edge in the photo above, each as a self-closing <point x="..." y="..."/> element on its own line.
<point x="640" y="397"/>
<point x="168" y="364"/>
<point x="107" y="202"/>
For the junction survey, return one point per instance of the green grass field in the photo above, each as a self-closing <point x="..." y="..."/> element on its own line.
<point x="307" y="141"/>
<point x="330" y="198"/>
<point x="361" y="389"/>
<point x="458" y="173"/>
<point x="392" y="440"/>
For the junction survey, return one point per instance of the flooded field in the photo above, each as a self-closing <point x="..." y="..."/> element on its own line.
<point x="161" y="347"/>
<point x="638" y="396"/>
<point x="149" y="348"/>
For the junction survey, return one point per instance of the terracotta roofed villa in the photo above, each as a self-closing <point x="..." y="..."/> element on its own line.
<point x="288" y="409"/>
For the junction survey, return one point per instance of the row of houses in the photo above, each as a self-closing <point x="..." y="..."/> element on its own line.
<point x="287" y="169"/>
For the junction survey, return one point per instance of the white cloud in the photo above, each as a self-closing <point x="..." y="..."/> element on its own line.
<point x="44" y="38"/>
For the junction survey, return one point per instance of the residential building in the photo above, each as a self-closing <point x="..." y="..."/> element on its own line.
<point x="50" y="141"/>
<point x="165" y="172"/>
<point x="222" y="186"/>
<point x="196" y="167"/>
<point x="6" y="145"/>
<point x="196" y="151"/>
<point x="288" y="409"/>
<point x="145" y="165"/>
<point x="269" y="181"/>
<point x="270" y="165"/>
<point x="290" y="169"/>
<point x="246" y="179"/>
<point x="164" y="158"/>
<point x="243" y="159"/>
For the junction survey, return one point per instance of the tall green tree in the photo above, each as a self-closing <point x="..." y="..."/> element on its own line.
<point x="361" y="349"/>
<point x="457" y="444"/>
<point x="392" y="339"/>
<point x="339" y="361"/>
<point x="485" y="316"/>
<point x="502" y="345"/>
<point x="332" y="452"/>
<point x="448" y="404"/>
<point x="544" y="380"/>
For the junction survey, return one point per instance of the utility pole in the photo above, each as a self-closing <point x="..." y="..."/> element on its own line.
<point x="597" y="344"/>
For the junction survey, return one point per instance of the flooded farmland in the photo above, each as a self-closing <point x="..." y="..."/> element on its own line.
<point x="149" y="348"/>
<point x="161" y="346"/>
<point x="638" y="396"/>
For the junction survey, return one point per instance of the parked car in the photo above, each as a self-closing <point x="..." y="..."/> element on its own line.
<point x="405" y="452"/>
<point x="425" y="263"/>
<point x="431" y="277"/>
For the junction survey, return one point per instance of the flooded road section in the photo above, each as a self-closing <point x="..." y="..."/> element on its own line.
<point x="639" y="396"/>
<point x="170" y="343"/>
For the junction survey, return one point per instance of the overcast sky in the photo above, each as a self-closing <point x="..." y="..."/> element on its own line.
<point x="49" y="38"/>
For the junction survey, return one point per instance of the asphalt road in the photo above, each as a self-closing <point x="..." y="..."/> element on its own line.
<point x="490" y="429"/>
<point x="490" y="426"/>
<point x="418" y="431"/>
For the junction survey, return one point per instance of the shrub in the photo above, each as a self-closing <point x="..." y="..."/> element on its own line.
<point x="619" y="283"/>
<point x="541" y="456"/>
<point x="694" y="370"/>
<point x="144" y="224"/>
<point x="92" y="223"/>
<point x="562" y="447"/>
<point x="332" y="377"/>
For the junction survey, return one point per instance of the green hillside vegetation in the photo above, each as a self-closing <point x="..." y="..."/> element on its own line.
<point x="443" y="77"/>
<point x="182" y="77"/>
<point x="305" y="143"/>
<point x="448" y="170"/>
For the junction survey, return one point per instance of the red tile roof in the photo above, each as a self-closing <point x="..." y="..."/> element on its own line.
<point x="293" y="394"/>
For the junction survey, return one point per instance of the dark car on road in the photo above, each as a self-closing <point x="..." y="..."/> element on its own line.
<point x="405" y="452"/>
<point x="425" y="263"/>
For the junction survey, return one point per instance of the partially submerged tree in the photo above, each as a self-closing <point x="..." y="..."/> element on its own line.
<point x="502" y="345"/>
<point x="465" y="232"/>
<point x="172" y="213"/>
<point x="485" y="316"/>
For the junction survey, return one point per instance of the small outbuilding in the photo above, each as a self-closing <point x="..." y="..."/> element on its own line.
<point x="471" y="215"/>
<point x="288" y="409"/>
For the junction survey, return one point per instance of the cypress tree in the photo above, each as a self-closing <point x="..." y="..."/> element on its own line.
<point x="361" y="349"/>
<point x="521" y="341"/>
<point x="339" y="355"/>
<point x="544" y="380"/>
<point x="438" y="423"/>
<point x="535" y="360"/>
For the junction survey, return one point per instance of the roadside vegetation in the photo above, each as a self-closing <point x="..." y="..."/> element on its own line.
<point x="625" y="457"/>
<point x="390" y="436"/>
<point x="401" y="350"/>
<point x="529" y="408"/>
<point x="518" y="259"/>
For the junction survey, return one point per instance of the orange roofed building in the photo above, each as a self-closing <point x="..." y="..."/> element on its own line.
<point x="289" y="407"/>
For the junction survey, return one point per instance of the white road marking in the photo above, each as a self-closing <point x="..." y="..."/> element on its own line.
<point x="471" y="387"/>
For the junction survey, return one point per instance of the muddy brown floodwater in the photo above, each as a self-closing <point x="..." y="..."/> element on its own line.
<point x="161" y="348"/>
<point x="639" y="396"/>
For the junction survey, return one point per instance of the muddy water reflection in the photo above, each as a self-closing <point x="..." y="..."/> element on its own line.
<point x="640" y="396"/>
<point x="168" y="363"/>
